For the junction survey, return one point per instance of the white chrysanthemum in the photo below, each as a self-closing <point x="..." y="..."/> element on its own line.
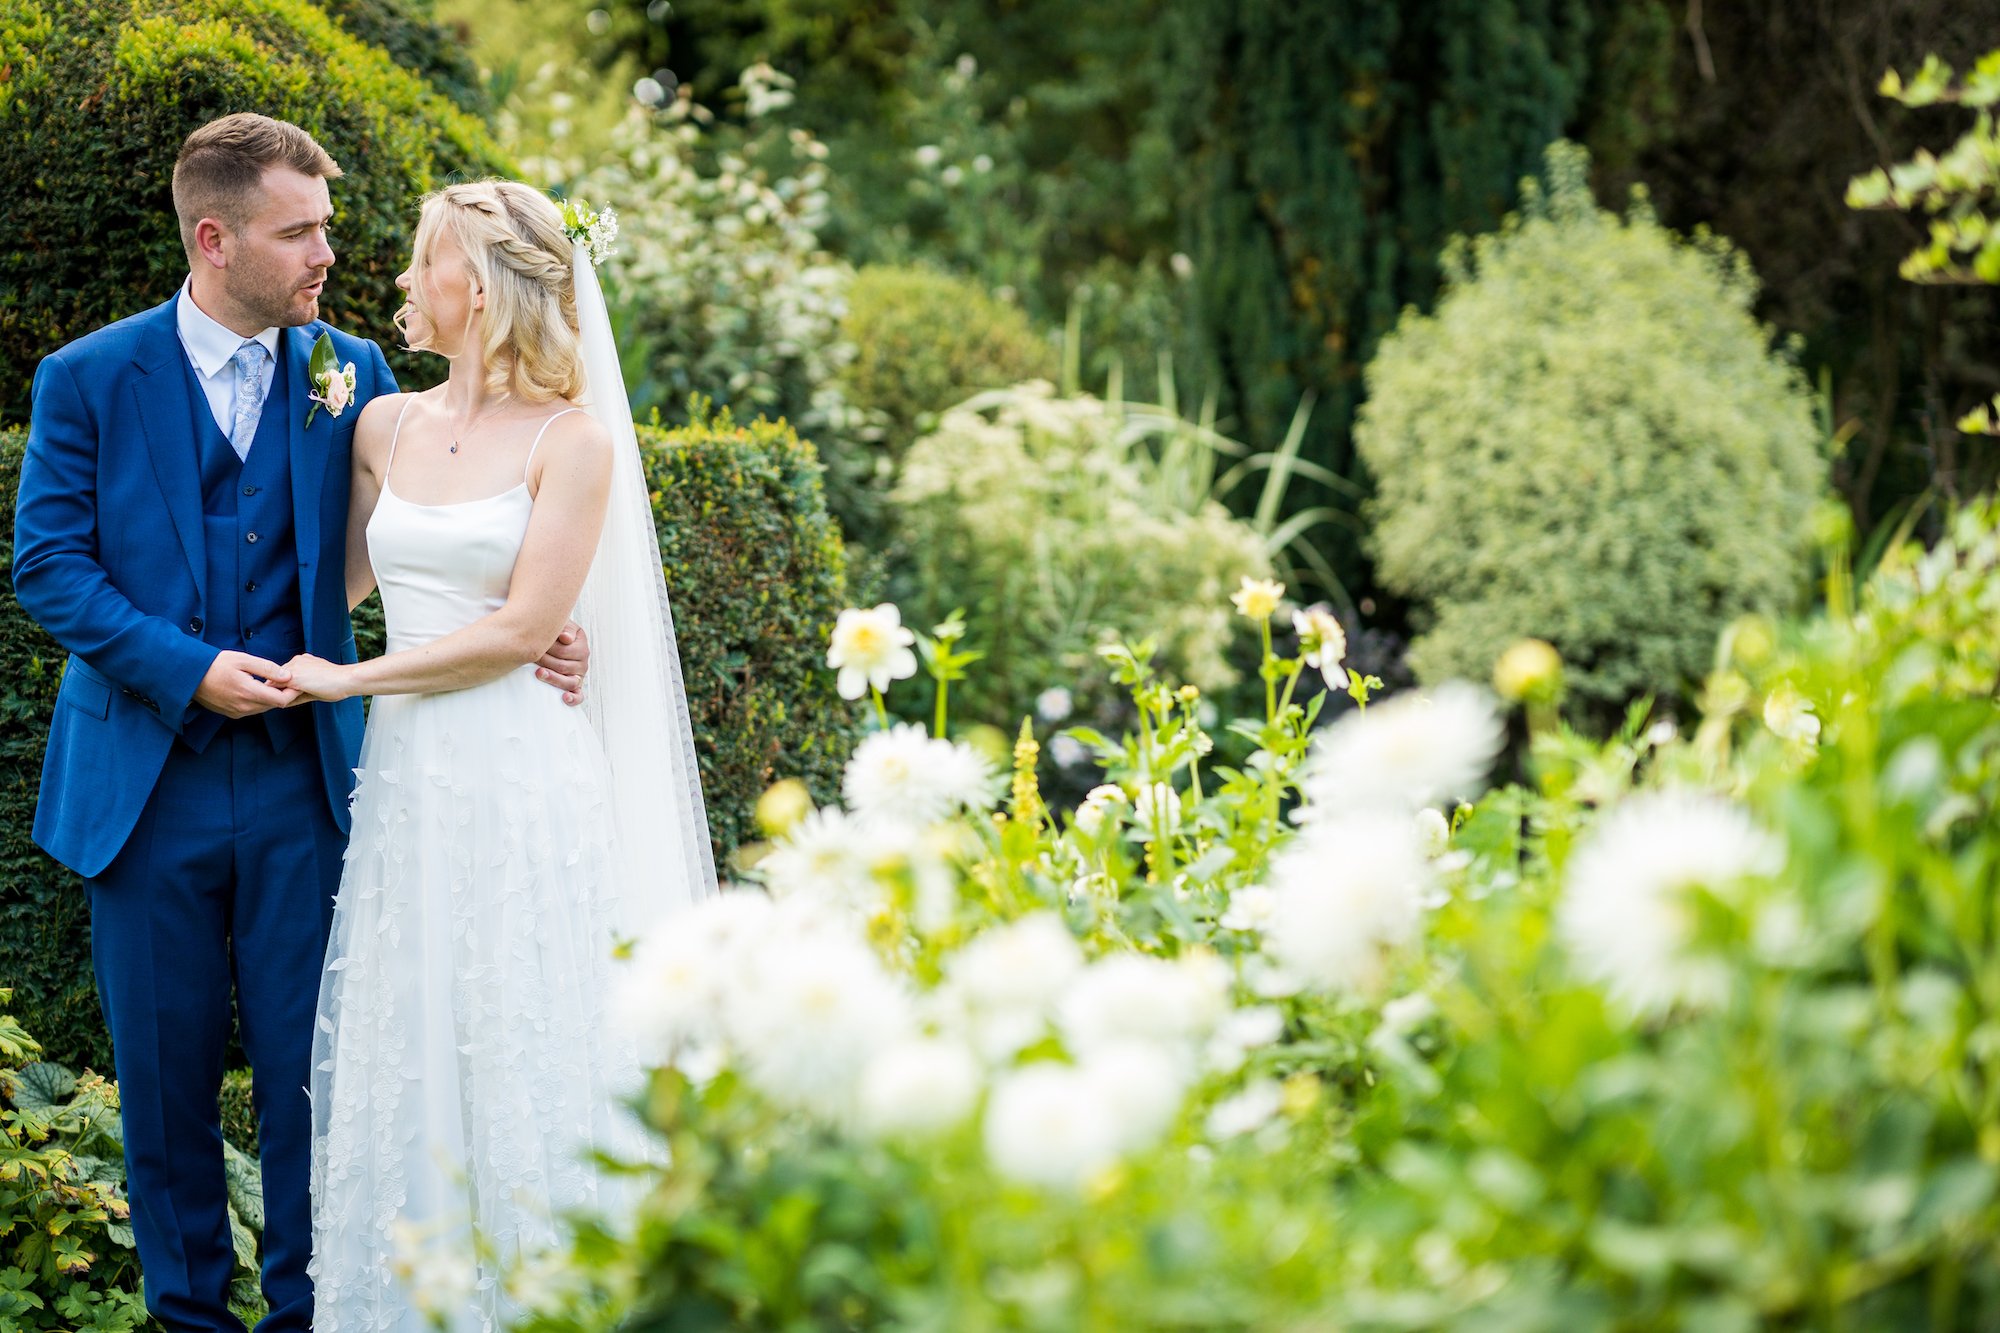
<point x="811" y="1012"/>
<point x="923" y="1085"/>
<point x="1258" y="599"/>
<point x="1790" y="715"/>
<point x="1249" y="1110"/>
<point x="1054" y="704"/>
<point x="870" y="648"/>
<point x="1136" y="997"/>
<point x="1433" y="831"/>
<point x="1348" y="889"/>
<point x="1158" y="807"/>
<point x="671" y="995"/>
<point x="436" y="1269"/>
<point x="1407" y="751"/>
<point x="1322" y="644"/>
<point x="1022" y="965"/>
<point x="1244" y="1031"/>
<point x="1249" y="908"/>
<point x="1627" y="911"/>
<point x="829" y="853"/>
<point x="1047" y="1125"/>
<point x="905" y="775"/>
<point x="1100" y="804"/>
<point x="1142" y="1085"/>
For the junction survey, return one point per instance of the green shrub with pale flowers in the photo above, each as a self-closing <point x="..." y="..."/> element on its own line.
<point x="1695" y="1030"/>
<point x="1047" y="519"/>
<point x="1591" y="441"/>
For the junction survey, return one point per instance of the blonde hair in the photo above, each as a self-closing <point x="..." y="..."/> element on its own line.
<point x="520" y="257"/>
<point x="221" y="166"/>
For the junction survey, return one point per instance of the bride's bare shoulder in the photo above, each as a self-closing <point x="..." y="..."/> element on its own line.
<point x="377" y="425"/>
<point x="574" y="445"/>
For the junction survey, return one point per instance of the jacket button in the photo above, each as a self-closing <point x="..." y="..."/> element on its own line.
<point x="251" y="586"/>
<point x="194" y="626"/>
<point x="251" y="538"/>
<point x="249" y="490"/>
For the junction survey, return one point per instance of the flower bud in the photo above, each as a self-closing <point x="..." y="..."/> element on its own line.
<point x="782" y="805"/>
<point x="1529" y="670"/>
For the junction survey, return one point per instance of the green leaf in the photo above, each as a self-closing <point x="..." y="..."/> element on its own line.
<point x="43" y="1088"/>
<point x="322" y="361"/>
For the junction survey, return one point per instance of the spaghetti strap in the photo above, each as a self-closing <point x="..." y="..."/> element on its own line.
<point x="538" y="440"/>
<point x="396" y="435"/>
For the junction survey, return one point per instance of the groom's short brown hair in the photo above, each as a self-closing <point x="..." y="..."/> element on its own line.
<point x="221" y="165"/>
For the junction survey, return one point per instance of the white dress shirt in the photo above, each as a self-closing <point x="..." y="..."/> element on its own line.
<point x="211" y="348"/>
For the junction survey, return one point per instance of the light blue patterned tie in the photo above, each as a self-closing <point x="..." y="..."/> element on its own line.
<point x="250" y="359"/>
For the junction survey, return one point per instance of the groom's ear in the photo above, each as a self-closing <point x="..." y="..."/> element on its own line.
<point x="209" y="234"/>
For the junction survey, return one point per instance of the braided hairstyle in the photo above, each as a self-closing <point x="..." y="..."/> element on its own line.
<point x="520" y="257"/>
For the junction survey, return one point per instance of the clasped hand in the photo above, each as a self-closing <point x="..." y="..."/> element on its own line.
<point x="242" y="685"/>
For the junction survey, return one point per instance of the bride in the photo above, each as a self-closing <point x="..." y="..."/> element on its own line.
<point x="502" y="842"/>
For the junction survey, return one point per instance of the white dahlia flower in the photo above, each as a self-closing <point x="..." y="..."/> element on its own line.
<point x="1047" y="1125"/>
<point x="1628" y="911"/>
<point x="1349" y="888"/>
<point x="870" y="648"/>
<point x="1408" y="751"/>
<point x="917" y="1087"/>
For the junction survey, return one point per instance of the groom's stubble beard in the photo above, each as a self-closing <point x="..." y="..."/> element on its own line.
<point x="272" y="293"/>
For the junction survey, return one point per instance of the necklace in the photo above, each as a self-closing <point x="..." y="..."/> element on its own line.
<point x="459" y="435"/>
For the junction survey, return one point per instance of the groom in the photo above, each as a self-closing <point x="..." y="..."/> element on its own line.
<point x="181" y="530"/>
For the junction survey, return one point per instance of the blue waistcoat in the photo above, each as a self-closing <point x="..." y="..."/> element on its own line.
<point x="252" y="550"/>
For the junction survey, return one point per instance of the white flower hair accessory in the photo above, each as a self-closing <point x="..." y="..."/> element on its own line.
<point x="592" y="229"/>
<point x="333" y="384"/>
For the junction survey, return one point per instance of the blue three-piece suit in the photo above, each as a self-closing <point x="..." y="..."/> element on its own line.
<point x="146" y="542"/>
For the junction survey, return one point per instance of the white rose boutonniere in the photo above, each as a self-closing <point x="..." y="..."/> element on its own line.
<point x="333" y="385"/>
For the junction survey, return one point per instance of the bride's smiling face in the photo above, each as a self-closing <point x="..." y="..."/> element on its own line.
<point x="444" y="303"/>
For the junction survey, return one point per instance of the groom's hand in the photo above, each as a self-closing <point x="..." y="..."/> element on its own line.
<point x="233" y="686"/>
<point x="566" y="663"/>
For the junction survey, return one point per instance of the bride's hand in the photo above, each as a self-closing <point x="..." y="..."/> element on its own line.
<point x="318" y="680"/>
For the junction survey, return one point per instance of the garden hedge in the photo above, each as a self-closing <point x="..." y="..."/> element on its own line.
<point x="96" y="97"/>
<point x="757" y="573"/>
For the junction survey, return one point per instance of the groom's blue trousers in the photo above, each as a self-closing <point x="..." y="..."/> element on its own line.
<point x="228" y="880"/>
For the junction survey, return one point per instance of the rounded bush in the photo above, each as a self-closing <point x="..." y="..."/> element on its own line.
<point x="95" y="100"/>
<point x="1590" y="442"/>
<point x="926" y="340"/>
<point x="756" y="571"/>
<point x="757" y="574"/>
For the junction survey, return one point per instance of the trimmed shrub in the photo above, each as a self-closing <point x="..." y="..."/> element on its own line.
<point x="757" y="574"/>
<point x="44" y="915"/>
<point x="95" y="100"/>
<point x="923" y="341"/>
<point x="926" y="340"/>
<point x="1592" y="442"/>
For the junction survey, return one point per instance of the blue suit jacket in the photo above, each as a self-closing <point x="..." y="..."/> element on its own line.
<point x="109" y="558"/>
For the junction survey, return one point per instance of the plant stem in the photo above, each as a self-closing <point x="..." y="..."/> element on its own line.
<point x="1270" y="685"/>
<point x="881" y="713"/>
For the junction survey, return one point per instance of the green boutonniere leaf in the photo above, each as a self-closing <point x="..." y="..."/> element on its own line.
<point x="317" y="369"/>
<point x="322" y="357"/>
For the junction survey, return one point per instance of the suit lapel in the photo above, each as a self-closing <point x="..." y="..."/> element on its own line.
<point x="164" y="409"/>
<point x="309" y="453"/>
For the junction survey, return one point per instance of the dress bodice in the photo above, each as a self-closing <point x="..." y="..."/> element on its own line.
<point x="441" y="567"/>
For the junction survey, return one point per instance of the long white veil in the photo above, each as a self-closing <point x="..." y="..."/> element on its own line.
<point x="634" y="695"/>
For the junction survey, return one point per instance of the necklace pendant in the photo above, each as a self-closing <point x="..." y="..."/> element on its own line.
<point x="454" y="448"/>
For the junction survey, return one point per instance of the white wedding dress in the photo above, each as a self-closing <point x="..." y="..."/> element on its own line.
<point x="463" y="1067"/>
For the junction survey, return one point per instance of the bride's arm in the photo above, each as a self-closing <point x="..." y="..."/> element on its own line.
<point x="371" y="444"/>
<point x="574" y="463"/>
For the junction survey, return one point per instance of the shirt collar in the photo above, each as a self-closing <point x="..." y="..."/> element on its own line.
<point x="210" y="345"/>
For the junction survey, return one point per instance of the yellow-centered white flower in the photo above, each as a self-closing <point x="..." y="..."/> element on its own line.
<point x="870" y="648"/>
<point x="1258" y="599"/>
